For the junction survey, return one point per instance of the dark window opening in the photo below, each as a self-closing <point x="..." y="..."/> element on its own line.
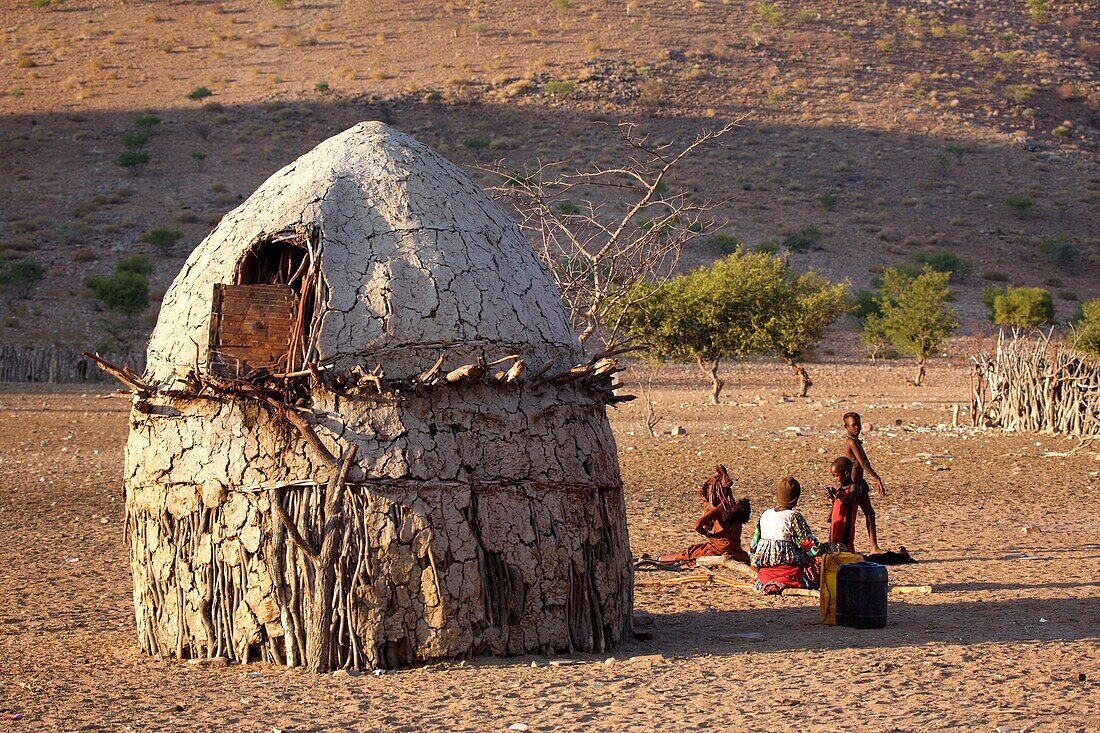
<point x="262" y="322"/>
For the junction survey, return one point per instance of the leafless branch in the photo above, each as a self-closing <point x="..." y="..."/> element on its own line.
<point x="603" y="230"/>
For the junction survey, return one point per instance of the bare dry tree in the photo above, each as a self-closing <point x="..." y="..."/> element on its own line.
<point x="597" y="251"/>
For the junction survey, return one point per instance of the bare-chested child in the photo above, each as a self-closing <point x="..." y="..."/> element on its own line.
<point x="853" y="450"/>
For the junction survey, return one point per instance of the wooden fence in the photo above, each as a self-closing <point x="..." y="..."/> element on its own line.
<point x="1033" y="385"/>
<point x="47" y="364"/>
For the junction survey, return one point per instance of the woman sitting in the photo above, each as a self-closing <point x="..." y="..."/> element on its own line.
<point x="721" y="522"/>
<point x="783" y="547"/>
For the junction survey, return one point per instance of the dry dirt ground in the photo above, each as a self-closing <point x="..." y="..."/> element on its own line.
<point x="1005" y="528"/>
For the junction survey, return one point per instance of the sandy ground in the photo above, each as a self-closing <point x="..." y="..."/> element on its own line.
<point x="1007" y="535"/>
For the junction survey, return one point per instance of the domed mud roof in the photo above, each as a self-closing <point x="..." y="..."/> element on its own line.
<point x="399" y="256"/>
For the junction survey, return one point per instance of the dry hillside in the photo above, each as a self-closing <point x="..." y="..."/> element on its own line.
<point x="893" y="128"/>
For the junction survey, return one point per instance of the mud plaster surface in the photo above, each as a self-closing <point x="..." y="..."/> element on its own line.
<point x="484" y="517"/>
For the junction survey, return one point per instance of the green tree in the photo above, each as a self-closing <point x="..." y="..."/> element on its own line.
<point x="914" y="313"/>
<point x="874" y="336"/>
<point x="1086" y="331"/>
<point x="745" y="304"/>
<point x="1020" y="307"/>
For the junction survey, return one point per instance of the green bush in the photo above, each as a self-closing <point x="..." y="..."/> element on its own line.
<point x="768" y="246"/>
<point x="162" y="238"/>
<point x="126" y="293"/>
<point x="770" y="12"/>
<point x="19" y="277"/>
<point x="1019" y="306"/>
<point x="864" y="305"/>
<point x="137" y="264"/>
<point x="1018" y="203"/>
<point x="199" y="93"/>
<point x="321" y="86"/>
<point x="135" y="139"/>
<point x="1086" y="330"/>
<point x="560" y="88"/>
<point x="828" y="201"/>
<point x="724" y="243"/>
<point x="803" y="240"/>
<point x="146" y="121"/>
<point x="568" y="208"/>
<point x="950" y="262"/>
<point x="994" y="275"/>
<point x="477" y="142"/>
<point x="1060" y="250"/>
<point x="133" y="159"/>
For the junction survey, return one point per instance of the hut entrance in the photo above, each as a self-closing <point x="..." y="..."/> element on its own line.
<point x="263" y="321"/>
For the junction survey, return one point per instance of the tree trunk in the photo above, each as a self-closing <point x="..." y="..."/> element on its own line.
<point x="920" y="372"/>
<point x="802" y="376"/>
<point x="318" y="653"/>
<point x="711" y="372"/>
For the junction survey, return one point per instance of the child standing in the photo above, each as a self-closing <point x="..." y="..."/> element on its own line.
<point x="842" y="518"/>
<point x="853" y="450"/>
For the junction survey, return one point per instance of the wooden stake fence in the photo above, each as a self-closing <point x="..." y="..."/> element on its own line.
<point x="1035" y="386"/>
<point x="47" y="364"/>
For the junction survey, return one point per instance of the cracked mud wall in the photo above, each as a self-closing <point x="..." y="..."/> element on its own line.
<point x="482" y="517"/>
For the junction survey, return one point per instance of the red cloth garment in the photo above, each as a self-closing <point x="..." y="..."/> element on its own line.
<point x="730" y="544"/>
<point x="842" y="520"/>
<point x="779" y="577"/>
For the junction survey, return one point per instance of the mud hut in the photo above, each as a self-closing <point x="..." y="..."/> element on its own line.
<point x="366" y="436"/>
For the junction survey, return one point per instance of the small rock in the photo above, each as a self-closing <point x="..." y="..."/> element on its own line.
<point x="643" y="618"/>
<point x="611" y="661"/>
<point x="209" y="662"/>
<point x="561" y="663"/>
<point x="518" y="726"/>
<point x="534" y="664"/>
<point x="350" y="672"/>
<point x="678" y="430"/>
<point x="104" y="520"/>
<point x="647" y="659"/>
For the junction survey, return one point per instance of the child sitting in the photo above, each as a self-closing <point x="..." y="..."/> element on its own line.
<point x="783" y="546"/>
<point x="721" y="522"/>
